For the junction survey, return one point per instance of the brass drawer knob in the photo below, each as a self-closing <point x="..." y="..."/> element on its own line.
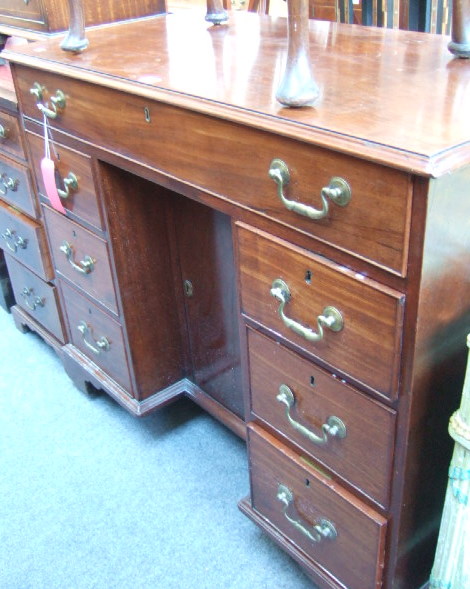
<point x="331" y="318"/>
<point x="70" y="184"/>
<point x="8" y="183"/>
<point x="84" y="266"/>
<point x="58" y="101"/>
<point x="31" y="300"/>
<point x="338" y="191"/>
<point x="323" y="529"/>
<point x="14" y="241"/>
<point x="100" y="345"/>
<point x="333" y="427"/>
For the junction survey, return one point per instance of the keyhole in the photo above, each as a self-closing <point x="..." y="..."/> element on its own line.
<point x="307" y="483"/>
<point x="312" y="381"/>
<point x="147" y="114"/>
<point x="308" y="277"/>
<point x="188" y="288"/>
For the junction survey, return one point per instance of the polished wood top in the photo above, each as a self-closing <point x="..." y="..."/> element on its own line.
<point x="391" y="96"/>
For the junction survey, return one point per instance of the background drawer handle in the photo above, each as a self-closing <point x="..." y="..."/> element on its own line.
<point x="4" y="131"/>
<point x="70" y="183"/>
<point x="330" y="318"/>
<point x="100" y="345"/>
<point x="13" y="240"/>
<point x="31" y="300"/>
<point x="8" y="183"/>
<point x="333" y="427"/>
<point x="323" y="530"/>
<point x="338" y="191"/>
<point x="85" y="266"/>
<point x="58" y="101"/>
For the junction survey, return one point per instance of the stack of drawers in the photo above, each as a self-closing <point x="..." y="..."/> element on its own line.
<point x="99" y="293"/>
<point x="324" y="346"/>
<point x="23" y="240"/>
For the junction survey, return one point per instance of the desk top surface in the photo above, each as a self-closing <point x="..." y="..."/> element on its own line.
<point x="395" y="97"/>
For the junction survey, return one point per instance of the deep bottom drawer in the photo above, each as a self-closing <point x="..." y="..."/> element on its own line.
<point x="331" y="527"/>
<point x="38" y="298"/>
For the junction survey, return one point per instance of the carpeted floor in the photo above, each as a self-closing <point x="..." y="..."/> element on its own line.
<point x="92" y="497"/>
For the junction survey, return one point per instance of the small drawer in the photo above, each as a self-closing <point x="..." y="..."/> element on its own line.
<point x="10" y="136"/>
<point x="74" y="179"/>
<point x="82" y="257"/>
<point x="217" y="156"/>
<point x="350" y="322"/>
<point x="329" y="526"/>
<point x="25" y="240"/>
<point x="15" y="187"/>
<point x="327" y="419"/>
<point x="38" y="298"/>
<point x="96" y="334"/>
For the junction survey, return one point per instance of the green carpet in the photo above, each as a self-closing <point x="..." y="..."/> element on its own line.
<point x="92" y="497"/>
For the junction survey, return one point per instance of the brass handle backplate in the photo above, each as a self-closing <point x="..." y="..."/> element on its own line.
<point x="85" y="266"/>
<point x="31" y="300"/>
<point x="100" y="345"/>
<point x="338" y="191"/>
<point x="70" y="184"/>
<point x="58" y="101"/>
<point x="8" y="183"/>
<point x="331" y="318"/>
<point x="321" y="530"/>
<point x="333" y="427"/>
<point x="14" y="241"/>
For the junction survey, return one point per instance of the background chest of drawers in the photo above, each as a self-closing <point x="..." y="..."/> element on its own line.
<point x="352" y="321"/>
<point x="33" y="18"/>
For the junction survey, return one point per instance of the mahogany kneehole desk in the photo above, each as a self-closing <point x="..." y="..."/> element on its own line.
<point x="302" y="274"/>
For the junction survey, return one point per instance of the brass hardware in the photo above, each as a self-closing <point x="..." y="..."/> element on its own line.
<point x="338" y="191"/>
<point x="14" y="241"/>
<point x="28" y="295"/>
<point x="330" y="318"/>
<point x="8" y="183"/>
<point x="322" y="530"/>
<point x="58" y="101"/>
<point x="333" y="427"/>
<point x="188" y="288"/>
<point x="85" y="266"/>
<point x="100" y="345"/>
<point x="70" y="183"/>
<point x="3" y="132"/>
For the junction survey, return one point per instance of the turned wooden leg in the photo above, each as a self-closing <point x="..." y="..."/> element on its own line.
<point x="460" y="44"/>
<point x="75" y="40"/>
<point x="216" y="13"/>
<point x="297" y="88"/>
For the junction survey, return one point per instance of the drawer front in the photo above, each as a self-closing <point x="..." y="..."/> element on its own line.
<point x="10" y="136"/>
<point x="364" y="341"/>
<point x="324" y="417"/>
<point x="25" y="240"/>
<point x="82" y="257"/>
<point x="305" y="506"/>
<point x="79" y="199"/>
<point x="36" y="297"/>
<point x="234" y="162"/>
<point x="96" y="334"/>
<point x="15" y="187"/>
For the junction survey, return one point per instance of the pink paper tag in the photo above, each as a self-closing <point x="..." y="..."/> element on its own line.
<point x="48" y="175"/>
